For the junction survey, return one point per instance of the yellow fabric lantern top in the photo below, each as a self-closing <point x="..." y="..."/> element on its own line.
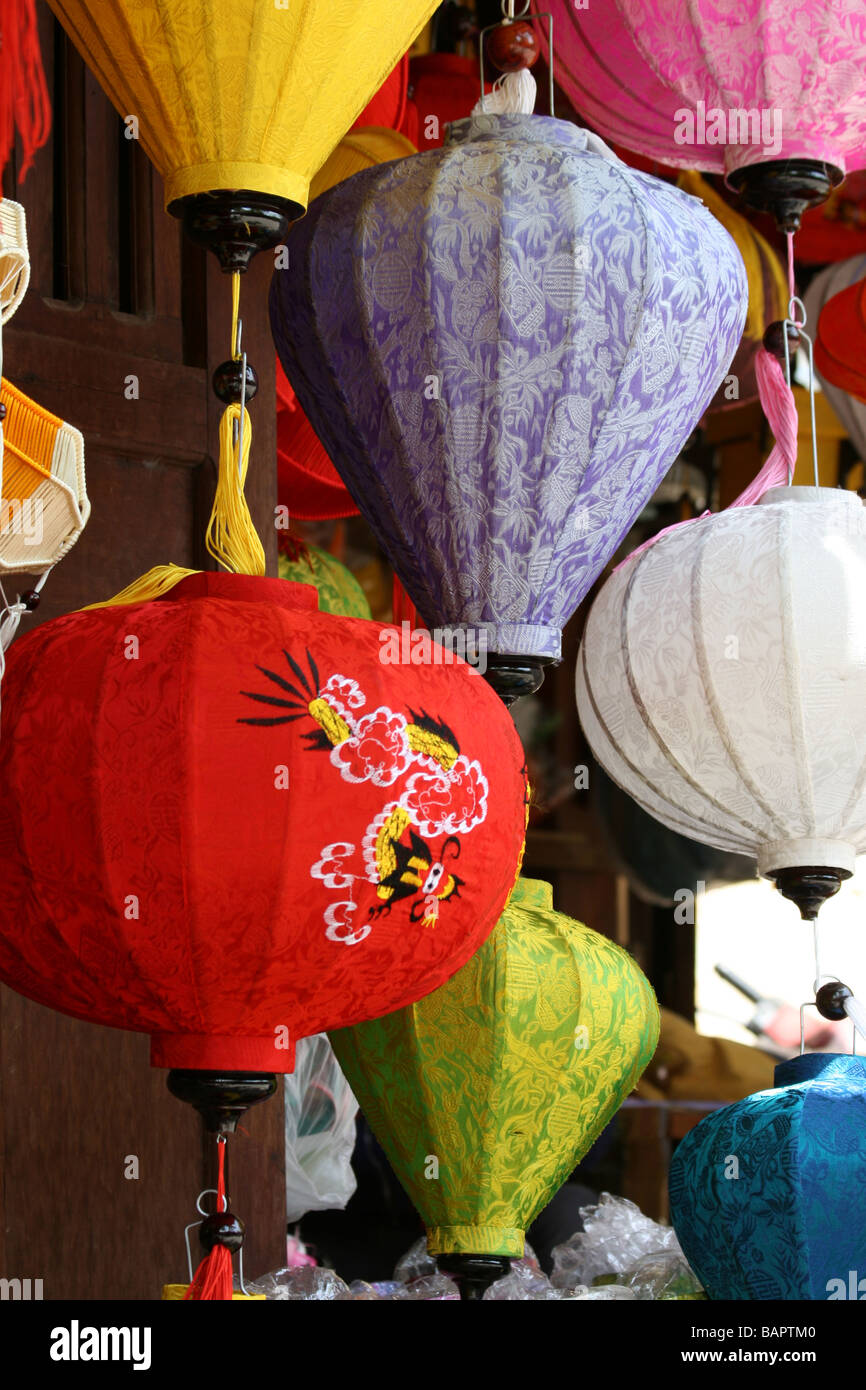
<point x="358" y="150"/>
<point x="249" y="94"/>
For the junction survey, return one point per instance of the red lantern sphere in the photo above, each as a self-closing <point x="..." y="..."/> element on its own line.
<point x="513" y="46"/>
<point x="840" y="342"/>
<point x="307" y="481"/>
<point x="231" y="821"/>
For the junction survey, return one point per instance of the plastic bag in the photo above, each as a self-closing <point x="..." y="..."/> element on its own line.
<point x="615" y="1235"/>
<point x="320" y="1131"/>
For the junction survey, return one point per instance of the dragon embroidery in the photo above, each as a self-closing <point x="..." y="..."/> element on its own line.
<point x="436" y="791"/>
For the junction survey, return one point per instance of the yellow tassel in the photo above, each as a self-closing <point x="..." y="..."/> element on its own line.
<point x="149" y="586"/>
<point x="231" y="536"/>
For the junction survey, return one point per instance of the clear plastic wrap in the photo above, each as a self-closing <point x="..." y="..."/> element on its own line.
<point x="320" y="1131"/>
<point x="664" y="1274"/>
<point x="615" y="1236"/>
<point x="526" y="1281"/>
<point x="307" y="1283"/>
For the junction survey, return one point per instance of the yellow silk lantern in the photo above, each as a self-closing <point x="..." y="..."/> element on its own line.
<point x="250" y="94"/>
<point x="358" y="150"/>
<point x="238" y="103"/>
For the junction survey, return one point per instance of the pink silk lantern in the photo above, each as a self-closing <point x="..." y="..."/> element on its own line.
<point x="767" y="93"/>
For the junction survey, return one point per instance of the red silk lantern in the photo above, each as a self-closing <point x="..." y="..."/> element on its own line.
<point x="841" y="339"/>
<point x="226" y="821"/>
<point x="445" y="87"/>
<point x="307" y="482"/>
<point x="391" y="107"/>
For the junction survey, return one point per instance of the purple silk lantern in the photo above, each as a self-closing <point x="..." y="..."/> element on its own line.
<point x="503" y="345"/>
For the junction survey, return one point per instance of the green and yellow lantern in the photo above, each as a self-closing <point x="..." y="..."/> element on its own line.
<point x="338" y="589"/>
<point x="488" y="1092"/>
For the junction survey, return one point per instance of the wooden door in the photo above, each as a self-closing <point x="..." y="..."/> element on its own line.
<point x="119" y="334"/>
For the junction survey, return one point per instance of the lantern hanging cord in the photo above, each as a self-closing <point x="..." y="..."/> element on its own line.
<point x="797" y="317"/>
<point x="11" y="615"/>
<point x="231" y="536"/>
<point x="236" y="304"/>
<point x="213" y="1278"/>
<point x="853" y="1007"/>
<point x="816" y="938"/>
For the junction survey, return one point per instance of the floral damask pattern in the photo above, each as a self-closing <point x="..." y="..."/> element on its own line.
<point x="722" y="677"/>
<point x="247" y="94"/>
<point x="789" y="1217"/>
<point x="338" y="589"/>
<point x="632" y="66"/>
<point x="506" y="1074"/>
<point x="504" y="343"/>
<point x="205" y="877"/>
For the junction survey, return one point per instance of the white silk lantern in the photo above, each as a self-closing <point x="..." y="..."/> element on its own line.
<point x="721" y="682"/>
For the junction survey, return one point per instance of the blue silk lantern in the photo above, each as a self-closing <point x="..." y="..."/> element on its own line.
<point x="768" y="1196"/>
<point x="503" y="344"/>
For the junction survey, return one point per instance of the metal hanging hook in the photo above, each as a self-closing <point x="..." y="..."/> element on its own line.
<point x="799" y="324"/>
<point x="221" y="1139"/>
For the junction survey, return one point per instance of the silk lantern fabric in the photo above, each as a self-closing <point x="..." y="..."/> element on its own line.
<point x="721" y="680"/>
<point x="635" y="68"/>
<point x="790" y="1221"/>
<point x="841" y="338"/>
<point x="836" y="231"/>
<point x="826" y="285"/>
<point x="239" y="93"/>
<point x="308" y="483"/>
<point x="445" y="87"/>
<point x="223" y="817"/>
<point x="505" y="1075"/>
<point x="360" y="149"/>
<point x="338" y="590"/>
<point x="390" y="107"/>
<point x="503" y="345"/>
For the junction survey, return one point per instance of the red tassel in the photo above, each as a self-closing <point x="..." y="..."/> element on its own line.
<point x="293" y="547"/>
<point x="213" y="1278"/>
<point x="24" y="101"/>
